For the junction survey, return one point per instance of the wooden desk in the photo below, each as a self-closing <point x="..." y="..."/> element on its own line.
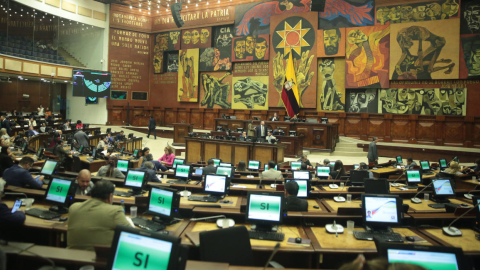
<point x="385" y="172"/>
<point x="467" y="241"/>
<point x="180" y="131"/>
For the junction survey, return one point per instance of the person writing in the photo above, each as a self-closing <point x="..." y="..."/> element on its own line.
<point x="168" y="157"/>
<point x="102" y="144"/>
<point x="110" y="170"/>
<point x="19" y="175"/>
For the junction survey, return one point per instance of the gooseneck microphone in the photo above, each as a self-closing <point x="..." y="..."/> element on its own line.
<point x="396" y="185"/>
<point x="275" y="249"/>
<point x="417" y="200"/>
<point x="452" y="231"/>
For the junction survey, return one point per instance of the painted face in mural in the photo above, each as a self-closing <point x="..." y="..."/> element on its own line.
<point x="382" y="15"/>
<point x="195" y="36"/>
<point x="357" y="37"/>
<point x="239" y="49"/>
<point x="419" y="13"/>
<point x="260" y="48"/>
<point x="187" y="37"/>
<point x="331" y="40"/>
<point x="394" y="14"/>
<point x="174" y="36"/>
<point x="472" y="16"/>
<point x="450" y="8"/>
<point x="402" y="94"/>
<point x="249" y="44"/>
<point x="446" y="109"/>
<point x="205" y="35"/>
<point x="327" y="68"/>
<point x="433" y="10"/>
<point x="359" y="101"/>
<point x="474" y="60"/>
<point x="459" y="97"/>
<point x="406" y="13"/>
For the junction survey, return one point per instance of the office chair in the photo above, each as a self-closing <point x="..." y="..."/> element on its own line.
<point x="77" y="163"/>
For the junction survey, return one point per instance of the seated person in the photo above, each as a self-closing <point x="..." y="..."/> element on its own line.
<point x="102" y="144"/>
<point x="243" y="136"/>
<point x="270" y="137"/>
<point x="292" y="202"/>
<point x="306" y="161"/>
<point x="326" y="162"/>
<point x="168" y="157"/>
<point x="93" y="221"/>
<point x="6" y="159"/>
<point x="32" y="122"/>
<point x="79" y="125"/>
<point x="364" y="167"/>
<point x="210" y="169"/>
<point x="144" y="153"/>
<point x="19" y="175"/>
<point x="120" y="135"/>
<point x="109" y="153"/>
<point x="410" y="164"/>
<point x="242" y="167"/>
<point x="56" y="138"/>
<point x="5" y="136"/>
<point x="151" y="174"/>
<point x="6" y="215"/>
<point x="66" y="126"/>
<point x="84" y="183"/>
<point x="338" y="171"/>
<point x="274" y="117"/>
<point x="110" y="170"/>
<point x="60" y="152"/>
<point x="43" y="128"/>
<point x="109" y="138"/>
<point x="32" y="132"/>
<point x="271" y="173"/>
<point x="454" y="168"/>
<point x="157" y="165"/>
<point x="48" y="112"/>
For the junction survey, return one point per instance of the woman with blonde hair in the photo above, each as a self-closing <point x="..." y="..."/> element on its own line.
<point x="168" y="157"/>
<point x="454" y="168"/>
<point x="4" y="135"/>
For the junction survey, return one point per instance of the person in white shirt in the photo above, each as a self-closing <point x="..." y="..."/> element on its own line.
<point x="40" y="110"/>
<point x="274" y="118"/>
<point x="270" y="137"/>
<point x="102" y="144"/>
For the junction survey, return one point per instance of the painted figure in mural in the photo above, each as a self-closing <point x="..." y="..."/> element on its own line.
<point x="394" y="16"/>
<point x="239" y="48"/>
<point x="251" y="93"/>
<point x="433" y="10"/>
<point x="187" y="37"/>
<point x="330" y="97"/>
<point x="260" y="48"/>
<point x="471" y="54"/>
<point x="211" y="58"/>
<point x="224" y="39"/>
<point x="359" y="101"/>
<point x="449" y="8"/>
<point x="472" y="16"/>
<point x="195" y="36"/>
<point x="205" y="34"/>
<point x="355" y="15"/>
<point x="331" y="41"/>
<point x="250" y="45"/>
<point x="174" y="36"/>
<point x="259" y="16"/>
<point x="439" y="10"/>
<point x="216" y="92"/>
<point x="422" y="65"/>
<point x="406" y="13"/>
<point x="189" y="84"/>
<point x="419" y="13"/>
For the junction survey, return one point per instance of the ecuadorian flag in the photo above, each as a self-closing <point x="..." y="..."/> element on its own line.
<point x="290" y="95"/>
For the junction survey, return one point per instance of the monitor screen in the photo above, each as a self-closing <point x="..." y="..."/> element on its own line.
<point x="182" y="171"/>
<point x="253" y="164"/>
<point x="427" y="259"/>
<point x="215" y="183"/>
<point x="135" y="152"/>
<point x="425" y="165"/>
<point x="122" y="165"/>
<point x="332" y="163"/>
<point x="91" y="100"/>
<point x="266" y="167"/>
<point x="323" y="171"/>
<point x="443" y="187"/>
<point x="399" y="159"/>
<point x="223" y="164"/>
<point x="177" y="161"/>
<point x="356" y="166"/>
<point x="302" y="187"/>
<point x="94" y="152"/>
<point x="199" y="171"/>
<point x="49" y="167"/>
<point x="381" y="209"/>
<point x="161" y="202"/>
<point x="443" y="163"/>
<point x="150" y="253"/>
<point x="295" y="165"/>
<point x="134" y="178"/>
<point x="224" y="171"/>
<point x="80" y="149"/>
<point x="24" y="147"/>
<point x="58" y="190"/>
<point x="414" y="176"/>
<point x="39" y="152"/>
<point x="303" y="175"/>
<point x="264" y="207"/>
<point x="216" y="162"/>
<point x="87" y="83"/>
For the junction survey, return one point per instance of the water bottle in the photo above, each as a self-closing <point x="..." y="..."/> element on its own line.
<point x="122" y="203"/>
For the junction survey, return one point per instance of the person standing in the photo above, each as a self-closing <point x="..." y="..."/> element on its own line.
<point x="372" y="152"/>
<point x="40" y="110"/>
<point x="82" y="139"/>
<point x="261" y="130"/>
<point x="151" y="127"/>
<point x="250" y="129"/>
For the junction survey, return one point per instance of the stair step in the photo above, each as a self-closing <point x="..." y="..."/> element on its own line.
<point x="348" y="148"/>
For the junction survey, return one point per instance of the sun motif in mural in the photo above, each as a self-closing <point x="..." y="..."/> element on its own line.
<point x="293" y="38"/>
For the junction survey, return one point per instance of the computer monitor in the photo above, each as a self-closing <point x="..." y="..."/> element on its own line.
<point x="301" y="175"/>
<point x="443" y="163"/>
<point x="228" y="171"/>
<point x="94" y="152"/>
<point x="475" y="201"/>
<point x="266" y="167"/>
<point x="332" y="163"/>
<point x="177" y="161"/>
<point x="182" y="172"/>
<point x="292" y="133"/>
<point x="130" y="136"/>
<point x="163" y="203"/>
<point x="442" y="188"/>
<point x="121" y="150"/>
<point x="264" y="209"/>
<point x="324" y="120"/>
<point x="143" y="249"/>
<point x="40" y="152"/>
<point x="240" y="130"/>
<point x="414" y="177"/>
<point x="356" y="177"/>
<point x="425" y="165"/>
<point x="381" y="211"/>
<point x="304" y="187"/>
<point x="356" y="166"/>
<point x="323" y="172"/>
<point x="224" y="164"/>
<point x="399" y="160"/>
<point x="135" y="153"/>
<point x="253" y="165"/>
<point x="199" y="171"/>
<point x="123" y="165"/>
<point x="60" y="191"/>
<point x="49" y="167"/>
<point x="376" y="186"/>
<point x="86" y="126"/>
<point x="135" y="180"/>
<point x="216" y="185"/>
<point x="216" y="162"/>
<point x="429" y="257"/>
<point x="295" y="165"/>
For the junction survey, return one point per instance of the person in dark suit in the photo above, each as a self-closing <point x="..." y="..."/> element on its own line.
<point x="261" y="130"/>
<point x="6" y="124"/>
<point x="82" y="139"/>
<point x="149" y="168"/>
<point x="120" y="135"/>
<point x="210" y="169"/>
<point x="243" y="137"/>
<point x="294" y="203"/>
<point x="6" y="160"/>
<point x="32" y="132"/>
<point x="372" y="152"/>
<point x="151" y="127"/>
<point x="274" y="117"/>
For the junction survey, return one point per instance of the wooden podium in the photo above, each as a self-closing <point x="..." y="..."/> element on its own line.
<point x="181" y="131"/>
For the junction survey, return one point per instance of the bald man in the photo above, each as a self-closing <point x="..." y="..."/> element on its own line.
<point x="84" y="183"/>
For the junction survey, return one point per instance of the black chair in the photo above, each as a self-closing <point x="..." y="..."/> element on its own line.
<point x="77" y="163"/>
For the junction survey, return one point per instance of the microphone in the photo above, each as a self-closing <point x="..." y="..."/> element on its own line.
<point x="334" y="228"/>
<point x="468" y="195"/>
<point x="339" y="198"/>
<point x="417" y="200"/>
<point x="222" y="221"/>
<point x="452" y="231"/>
<point x="396" y="185"/>
<point x="275" y="250"/>
<point x="332" y="185"/>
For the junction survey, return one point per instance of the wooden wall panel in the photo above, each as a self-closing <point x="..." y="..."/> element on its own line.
<point x="210" y="151"/>
<point x="476" y="132"/>
<point x="426" y="132"/>
<point x="241" y="153"/>
<point x="225" y="153"/>
<point x="454" y="133"/>
<point x="353" y="126"/>
<point x="209" y="120"/>
<point x="170" y="117"/>
<point x="376" y="127"/>
<point x="196" y="150"/>
<point x="182" y="116"/>
<point x="399" y="130"/>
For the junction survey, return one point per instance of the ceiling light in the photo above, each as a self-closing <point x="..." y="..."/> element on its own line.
<point x="65" y="81"/>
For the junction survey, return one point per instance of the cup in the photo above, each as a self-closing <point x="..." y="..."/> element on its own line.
<point x="342" y="184"/>
<point x="28" y="203"/>
<point x="133" y="211"/>
<point x="87" y="267"/>
<point x="350" y="226"/>
<point x="349" y="198"/>
<point x="426" y="196"/>
<point x="474" y="178"/>
<point x="164" y="176"/>
<point x="225" y="223"/>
